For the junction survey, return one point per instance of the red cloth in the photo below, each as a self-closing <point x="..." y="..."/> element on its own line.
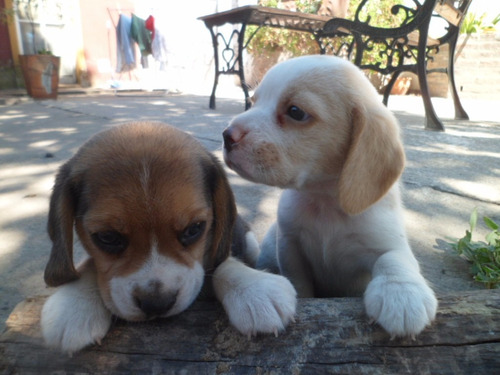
<point x="150" y="25"/>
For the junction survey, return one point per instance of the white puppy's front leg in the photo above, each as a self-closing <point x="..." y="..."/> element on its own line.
<point x="75" y="315"/>
<point x="255" y="301"/>
<point x="398" y="297"/>
<point x="294" y="266"/>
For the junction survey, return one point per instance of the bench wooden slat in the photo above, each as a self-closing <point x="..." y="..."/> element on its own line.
<point x="447" y="10"/>
<point x="413" y="40"/>
<point x="264" y="16"/>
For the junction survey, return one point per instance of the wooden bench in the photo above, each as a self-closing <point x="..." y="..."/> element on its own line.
<point x="405" y="47"/>
<point x="329" y="336"/>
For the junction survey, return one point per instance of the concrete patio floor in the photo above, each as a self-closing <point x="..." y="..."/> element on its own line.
<point x="448" y="174"/>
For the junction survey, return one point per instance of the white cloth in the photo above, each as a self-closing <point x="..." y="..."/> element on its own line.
<point x="159" y="46"/>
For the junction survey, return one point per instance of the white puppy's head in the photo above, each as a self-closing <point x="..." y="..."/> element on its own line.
<point x="317" y="122"/>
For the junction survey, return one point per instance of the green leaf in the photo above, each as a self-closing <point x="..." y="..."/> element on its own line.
<point x="490" y="223"/>
<point x="493" y="238"/>
<point x="483" y="256"/>
<point x="473" y="220"/>
<point x="496" y="20"/>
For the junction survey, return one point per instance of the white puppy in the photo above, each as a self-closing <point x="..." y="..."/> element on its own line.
<point x="318" y="130"/>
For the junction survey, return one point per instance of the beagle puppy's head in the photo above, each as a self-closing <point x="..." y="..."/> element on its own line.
<point x="317" y="121"/>
<point x="154" y="211"/>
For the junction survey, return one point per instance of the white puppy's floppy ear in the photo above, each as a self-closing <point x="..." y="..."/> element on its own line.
<point x="374" y="162"/>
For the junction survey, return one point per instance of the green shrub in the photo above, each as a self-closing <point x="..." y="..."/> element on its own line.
<point x="269" y="39"/>
<point x="483" y="256"/>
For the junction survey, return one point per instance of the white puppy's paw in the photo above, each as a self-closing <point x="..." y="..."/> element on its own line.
<point x="73" y="318"/>
<point x="265" y="304"/>
<point x="401" y="307"/>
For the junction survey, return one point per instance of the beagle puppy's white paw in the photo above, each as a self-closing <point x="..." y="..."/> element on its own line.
<point x="255" y="301"/>
<point x="75" y="316"/>
<point x="401" y="307"/>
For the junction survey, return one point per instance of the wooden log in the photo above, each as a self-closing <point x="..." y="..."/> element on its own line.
<point x="329" y="336"/>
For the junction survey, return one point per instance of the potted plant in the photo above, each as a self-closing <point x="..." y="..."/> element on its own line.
<point x="40" y="68"/>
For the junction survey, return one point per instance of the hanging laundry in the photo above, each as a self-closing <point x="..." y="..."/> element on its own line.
<point x="142" y="37"/>
<point x="150" y="25"/>
<point x="125" y="54"/>
<point x="159" y="43"/>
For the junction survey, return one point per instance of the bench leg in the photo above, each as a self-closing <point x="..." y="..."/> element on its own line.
<point x="215" y="44"/>
<point x="229" y="69"/>
<point x="241" y="68"/>
<point x="211" y="103"/>
<point x="432" y="122"/>
<point x="459" y="110"/>
<point x="389" y="86"/>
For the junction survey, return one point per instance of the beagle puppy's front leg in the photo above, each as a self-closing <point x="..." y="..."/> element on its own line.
<point x="398" y="297"/>
<point x="255" y="301"/>
<point x="75" y="315"/>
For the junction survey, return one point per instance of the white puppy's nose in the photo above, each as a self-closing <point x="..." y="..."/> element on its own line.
<point x="232" y="136"/>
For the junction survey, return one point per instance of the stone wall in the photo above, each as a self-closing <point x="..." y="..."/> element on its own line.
<point x="477" y="68"/>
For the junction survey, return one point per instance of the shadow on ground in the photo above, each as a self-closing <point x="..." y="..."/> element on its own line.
<point x="448" y="175"/>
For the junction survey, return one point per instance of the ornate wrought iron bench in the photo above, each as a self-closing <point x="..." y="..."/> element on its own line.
<point x="229" y="58"/>
<point x="406" y="47"/>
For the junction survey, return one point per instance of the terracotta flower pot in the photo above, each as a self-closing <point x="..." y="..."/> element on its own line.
<point x="401" y="86"/>
<point x="41" y="75"/>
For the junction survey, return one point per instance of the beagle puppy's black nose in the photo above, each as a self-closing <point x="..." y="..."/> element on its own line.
<point x="154" y="303"/>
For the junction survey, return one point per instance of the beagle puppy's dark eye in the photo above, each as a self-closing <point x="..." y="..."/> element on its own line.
<point x="192" y="233"/>
<point x="296" y="113"/>
<point x="110" y="242"/>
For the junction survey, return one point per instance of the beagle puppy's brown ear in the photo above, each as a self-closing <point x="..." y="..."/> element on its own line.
<point x="224" y="213"/>
<point x="60" y="268"/>
<point x="374" y="162"/>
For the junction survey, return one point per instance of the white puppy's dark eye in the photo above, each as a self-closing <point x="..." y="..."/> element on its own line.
<point x="110" y="242"/>
<point x="192" y="233"/>
<point x="296" y="113"/>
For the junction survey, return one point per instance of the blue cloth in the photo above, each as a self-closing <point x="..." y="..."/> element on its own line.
<point x="125" y="59"/>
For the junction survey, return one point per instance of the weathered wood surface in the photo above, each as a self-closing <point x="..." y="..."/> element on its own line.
<point x="329" y="336"/>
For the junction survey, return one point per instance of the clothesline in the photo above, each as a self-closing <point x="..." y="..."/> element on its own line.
<point x="119" y="10"/>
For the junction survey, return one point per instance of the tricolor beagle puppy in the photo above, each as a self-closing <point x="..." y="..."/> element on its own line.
<point x="318" y="129"/>
<point x="156" y="215"/>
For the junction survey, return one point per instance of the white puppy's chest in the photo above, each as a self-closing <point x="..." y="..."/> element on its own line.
<point x="340" y="249"/>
